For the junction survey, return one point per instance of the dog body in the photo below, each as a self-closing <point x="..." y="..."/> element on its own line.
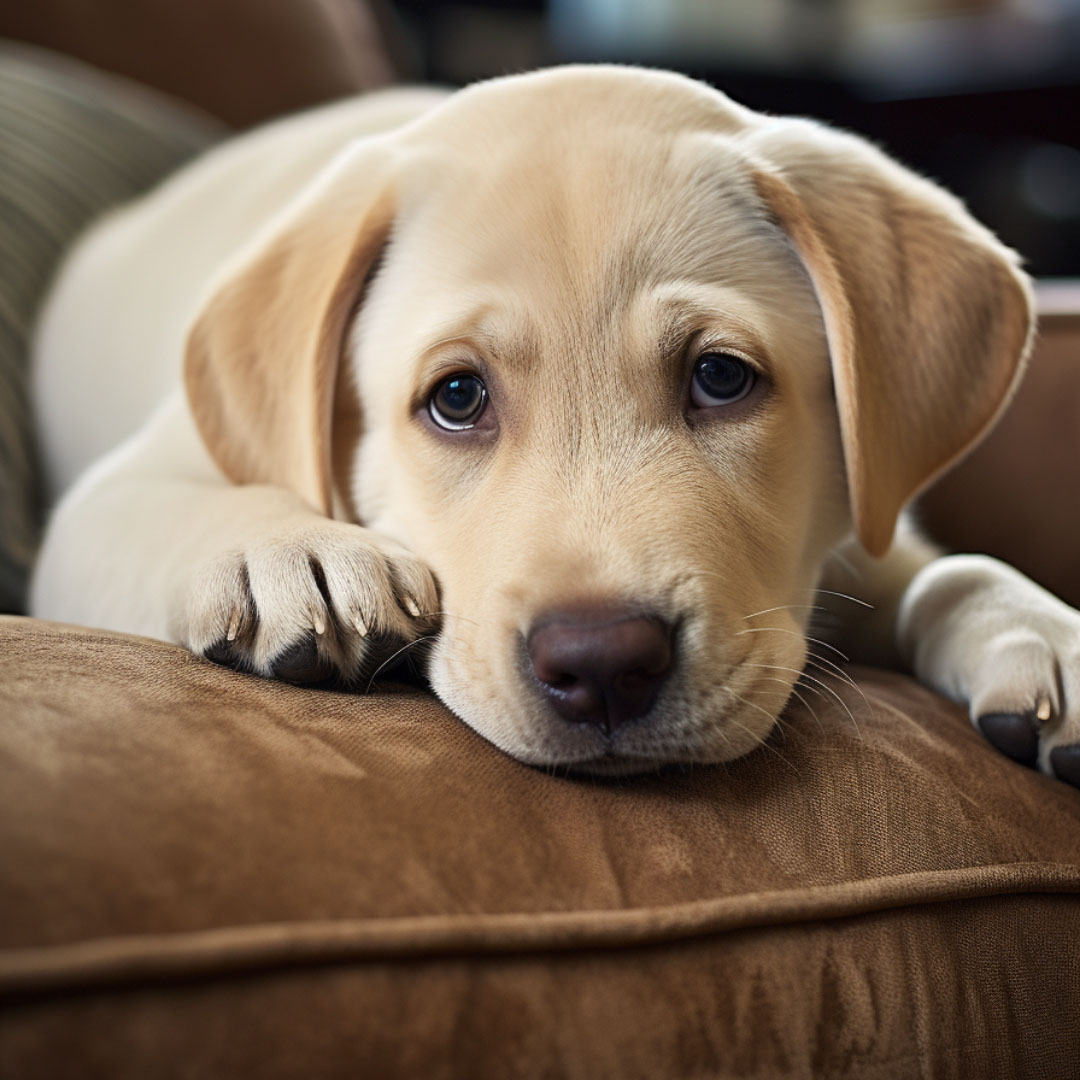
<point x="589" y="378"/>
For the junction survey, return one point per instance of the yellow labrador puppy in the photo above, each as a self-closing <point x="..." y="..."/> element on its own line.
<point x="591" y="379"/>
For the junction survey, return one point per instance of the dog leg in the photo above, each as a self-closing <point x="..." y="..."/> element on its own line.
<point x="977" y="631"/>
<point x="981" y="633"/>
<point x="861" y="594"/>
<point x="153" y="540"/>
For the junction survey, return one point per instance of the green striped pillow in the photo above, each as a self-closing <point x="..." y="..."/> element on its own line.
<point x="75" y="142"/>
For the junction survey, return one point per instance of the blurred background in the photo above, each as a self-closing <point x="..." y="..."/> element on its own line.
<point x="981" y="95"/>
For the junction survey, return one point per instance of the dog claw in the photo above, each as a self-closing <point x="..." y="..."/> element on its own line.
<point x="411" y="606"/>
<point x="319" y="623"/>
<point x="361" y="626"/>
<point x="234" y="625"/>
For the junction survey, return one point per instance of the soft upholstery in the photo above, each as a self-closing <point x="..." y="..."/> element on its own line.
<point x="205" y="875"/>
<point x="211" y="875"/>
<point x="75" y="143"/>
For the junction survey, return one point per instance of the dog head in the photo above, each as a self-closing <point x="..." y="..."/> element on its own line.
<point x="622" y="361"/>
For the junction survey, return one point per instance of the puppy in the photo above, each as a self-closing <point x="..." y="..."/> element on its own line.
<point x="589" y="381"/>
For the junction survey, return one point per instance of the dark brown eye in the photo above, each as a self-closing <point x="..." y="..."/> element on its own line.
<point x="720" y="379"/>
<point x="458" y="401"/>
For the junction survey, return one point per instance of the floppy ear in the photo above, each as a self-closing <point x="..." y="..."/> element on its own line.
<point x="928" y="316"/>
<point x="262" y="359"/>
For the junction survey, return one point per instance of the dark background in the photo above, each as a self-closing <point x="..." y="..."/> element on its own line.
<point x="982" y="96"/>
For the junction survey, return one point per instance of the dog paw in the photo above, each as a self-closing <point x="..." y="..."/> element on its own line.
<point x="983" y="634"/>
<point x="308" y="604"/>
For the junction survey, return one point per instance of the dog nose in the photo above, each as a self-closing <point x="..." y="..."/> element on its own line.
<point x="601" y="668"/>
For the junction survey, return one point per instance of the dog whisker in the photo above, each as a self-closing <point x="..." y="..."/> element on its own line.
<point x="771" y="716"/>
<point x="846" y="596"/>
<point x="842" y="703"/>
<point x="454" y="615"/>
<point x="795" y="693"/>
<point x="809" y="708"/>
<point x="800" y="685"/>
<point x="846" y="563"/>
<point x="838" y="672"/>
<point x="831" y="668"/>
<point x="761" y="742"/>
<point x="786" y="607"/>
<point x="784" y="630"/>
<point x="827" y="645"/>
<point x="766" y="629"/>
<point x="393" y="656"/>
<point x="773" y="667"/>
<point x="770" y="678"/>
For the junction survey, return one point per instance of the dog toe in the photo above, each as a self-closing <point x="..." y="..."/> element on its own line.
<point x="1014" y="734"/>
<point x="1065" y="762"/>
<point x="327" y="604"/>
<point x="225" y="653"/>
<point x="302" y="662"/>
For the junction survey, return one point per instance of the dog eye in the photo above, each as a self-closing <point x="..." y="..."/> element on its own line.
<point x="458" y="401"/>
<point x="720" y="379"/>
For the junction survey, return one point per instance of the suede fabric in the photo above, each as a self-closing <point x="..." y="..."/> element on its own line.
<point x="207" y="874"/>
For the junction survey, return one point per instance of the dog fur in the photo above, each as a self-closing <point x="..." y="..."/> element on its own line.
<point x="232" y="378"/>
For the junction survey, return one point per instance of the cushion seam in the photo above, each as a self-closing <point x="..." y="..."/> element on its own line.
<point x="184" y="955"/>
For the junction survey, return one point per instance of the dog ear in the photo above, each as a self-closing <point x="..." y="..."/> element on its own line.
<point x="928" y="317"/>
<point x="262" y="359"/>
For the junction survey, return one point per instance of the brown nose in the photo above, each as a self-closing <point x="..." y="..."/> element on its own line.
<point x="601" y="668"/>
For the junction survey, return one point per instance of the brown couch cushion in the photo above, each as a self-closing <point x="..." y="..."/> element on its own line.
<point x="210" y="875"/>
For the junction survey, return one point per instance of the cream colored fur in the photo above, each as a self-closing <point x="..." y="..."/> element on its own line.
<point x="231" y="377"/>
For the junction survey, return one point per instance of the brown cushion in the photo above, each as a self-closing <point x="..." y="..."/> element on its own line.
<point x="210" y="875"/>
<point x="240" y="60"/>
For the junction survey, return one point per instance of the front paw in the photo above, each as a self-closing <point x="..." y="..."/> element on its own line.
<point x="317" y="601"/>
<point x="983" y="634"/>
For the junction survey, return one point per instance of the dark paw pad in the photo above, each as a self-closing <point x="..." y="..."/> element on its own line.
<point x="1014" y="734"/>
<point x="302" y="663"/>
<point x="225" y="653"/>
<point x="1065" y="761"/>
<point x="391" y="659"/>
